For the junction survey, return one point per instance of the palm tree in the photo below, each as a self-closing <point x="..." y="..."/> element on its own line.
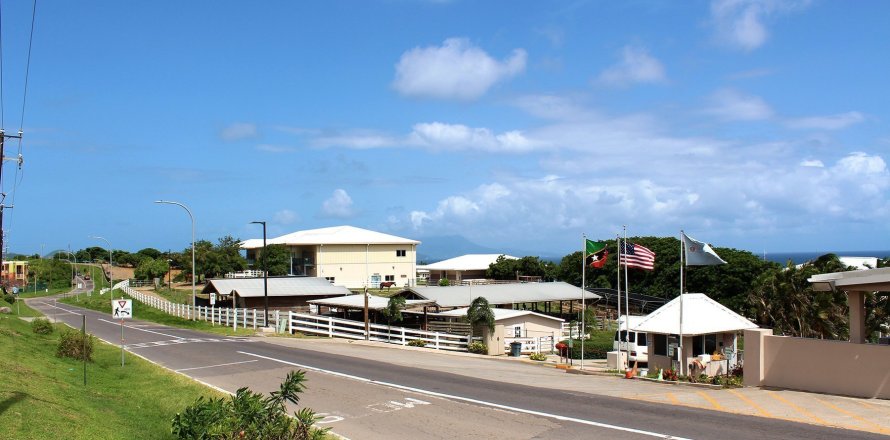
<point x="393" y="311"/>
<point x="479" y="313"/>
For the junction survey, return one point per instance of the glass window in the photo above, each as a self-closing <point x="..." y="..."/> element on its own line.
<point x="632" y="337"/>
<point x="710" y="343"/>
<point x="389" y="278"/>
<point x="641" y="339"/>
<point x="661" y="345"/>
<point x="401" y="252"/>
<point x="698" y="345"/>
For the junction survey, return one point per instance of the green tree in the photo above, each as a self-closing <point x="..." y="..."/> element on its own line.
<point x="150" y="253"/>
<point x="507" y="268"/>
<point x="277" y="260"/>
<point x="479" y="315"/>
<point x="393" y="311"/>
<point x="149" y="269"/>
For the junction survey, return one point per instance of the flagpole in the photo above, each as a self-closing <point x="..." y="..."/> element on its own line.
<point x="618" y="266"/>
<point x="583" y="285"/>
<point x="626" y="299"/>
<point x="682" y="288"/>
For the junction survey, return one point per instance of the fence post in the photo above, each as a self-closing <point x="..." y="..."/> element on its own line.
<point x="227" y="317"/>
<point x="235" y="320"/>
<point x="254" y="319"/>
<point x="437" y="340"/>
<point x="244" y="312"/>
<point x="212" y="313"/>
<point x="330" y="327"/>
<point x="403" y="335"/>
<point x="290" y="322"/>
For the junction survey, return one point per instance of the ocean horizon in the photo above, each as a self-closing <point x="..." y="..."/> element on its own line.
<point x="803" y="257"/>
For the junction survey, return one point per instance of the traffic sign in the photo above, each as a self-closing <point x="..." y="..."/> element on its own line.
<point x="122" y="308"/>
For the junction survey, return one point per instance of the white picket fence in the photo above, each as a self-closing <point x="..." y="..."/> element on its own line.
<point x="299" y="322"/>
<point x="541" y="344"/>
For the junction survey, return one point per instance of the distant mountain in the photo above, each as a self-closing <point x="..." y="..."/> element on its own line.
<point x="443" y="247"/>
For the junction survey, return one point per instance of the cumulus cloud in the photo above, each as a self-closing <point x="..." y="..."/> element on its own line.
<point x="339" y="205"/>
<point x="455" y="70"/>
<point x="636" y="66"/>
<point x="742" y="23"/>
<point x="238" y="131"/>
<point x="450" y="137"/>
<point x="731" y="105"/>
<point x="285" y="217"/>
<point x="830" y="122"/>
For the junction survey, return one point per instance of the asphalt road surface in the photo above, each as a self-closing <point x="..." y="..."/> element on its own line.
<point x="372" y="399"/>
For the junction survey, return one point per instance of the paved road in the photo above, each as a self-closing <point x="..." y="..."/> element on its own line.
<point x="370" y="398"/>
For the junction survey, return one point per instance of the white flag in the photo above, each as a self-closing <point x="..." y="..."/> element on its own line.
<point x="700" y="254"/>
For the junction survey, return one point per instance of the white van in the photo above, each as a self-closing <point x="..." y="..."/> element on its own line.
<point x="637" y="343"/>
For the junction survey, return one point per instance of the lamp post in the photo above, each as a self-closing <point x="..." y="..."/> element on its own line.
<point x="194" y="305"/>
<point x="265" y="277"/>
<point x="110" y="266"/>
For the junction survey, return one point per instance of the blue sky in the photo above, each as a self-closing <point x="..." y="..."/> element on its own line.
<point x="759" y="125"/>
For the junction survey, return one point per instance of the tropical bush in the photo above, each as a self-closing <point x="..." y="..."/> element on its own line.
<point x="593" y="349"/>
<point x="477" y="347"/>
<point x="249" y="415"/>
<point x="41" y="326"/>
<point x="417" y="343"/>
<point x="538" y="357"/>
<point x="75" y="345"/>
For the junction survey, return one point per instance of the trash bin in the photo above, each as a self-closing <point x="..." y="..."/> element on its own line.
<point x="515" y="349"/>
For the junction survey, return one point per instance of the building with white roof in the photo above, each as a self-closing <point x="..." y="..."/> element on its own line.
<point x="707" y="327"/>
<point x="504" y="294"/>
<point x="464" y="267"/>
<point x="283" y="292"/>
<point x="347" y="256"/>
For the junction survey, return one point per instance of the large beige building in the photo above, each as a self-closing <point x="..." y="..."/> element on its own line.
<point x="347" y="256"/>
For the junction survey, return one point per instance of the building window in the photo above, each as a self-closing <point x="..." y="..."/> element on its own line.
<point x="401" y="252"/>
<point x="661" y="345"/>
<point x="389" y="278"/>
<point x="330" y="279"/>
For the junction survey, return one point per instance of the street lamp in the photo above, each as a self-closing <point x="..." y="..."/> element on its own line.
<point x="194" y="305"/>
<point x="265" y="277"/>
<point x="110" y="266"/>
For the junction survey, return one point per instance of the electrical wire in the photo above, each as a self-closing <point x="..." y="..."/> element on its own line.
<point x="28" y="64"/>
<point x="2" y="107"/>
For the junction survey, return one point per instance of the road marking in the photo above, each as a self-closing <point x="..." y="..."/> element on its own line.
<point x="710" y="400"/>
<point x="759" y="408"/>
<point x="880" y="428"/>
<point x="60" y="308"/>
<point x="470" y="400"/>
<point x="328" y="418"/>
<point x="180" y="341"/>
<point x="797" y="408"/>
<point x="394" y="405"/>
<point x="673" y="398"/>
<point x="141" y="329"/>
<point x="217" y="365"/>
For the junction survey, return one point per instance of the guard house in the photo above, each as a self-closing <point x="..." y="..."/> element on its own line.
<point x="708" y="329"/>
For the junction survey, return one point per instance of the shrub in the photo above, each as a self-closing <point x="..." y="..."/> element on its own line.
<point x="8" y="297"/>
<point x="249" y="415"/>
<point x="592" y="349"/>
<point x="443" y="282"/>
<point x="75" y="345"/>
<point x="417" y="343"/>
<point x="41" y="326"/>
<point x="477" y="347"/>
<point x="538" y="357"/>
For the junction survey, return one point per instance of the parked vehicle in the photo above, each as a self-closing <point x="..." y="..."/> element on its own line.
<point x="635" y="343"/>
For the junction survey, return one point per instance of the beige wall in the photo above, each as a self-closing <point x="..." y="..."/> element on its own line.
<point x="833" y="367"/>
<point x="353" y="266"/>
<point x="532" y="326"/>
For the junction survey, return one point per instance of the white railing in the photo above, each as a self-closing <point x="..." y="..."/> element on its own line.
<point x="574" y="329"/>
<point x="291" y="322"/>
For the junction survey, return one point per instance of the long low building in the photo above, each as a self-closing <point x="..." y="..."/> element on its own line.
<point x="284" y="292"/>
<point x="503" y="294"/>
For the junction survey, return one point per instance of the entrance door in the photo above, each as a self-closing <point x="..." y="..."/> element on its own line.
<point x="375" y="281"/>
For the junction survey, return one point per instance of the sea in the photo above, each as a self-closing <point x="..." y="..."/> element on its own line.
<point x="803" y="257"/>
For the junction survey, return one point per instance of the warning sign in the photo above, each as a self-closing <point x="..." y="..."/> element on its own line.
<point x="122" y="308"/>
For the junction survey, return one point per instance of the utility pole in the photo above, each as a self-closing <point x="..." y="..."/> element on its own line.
<point x="3" y="158"/>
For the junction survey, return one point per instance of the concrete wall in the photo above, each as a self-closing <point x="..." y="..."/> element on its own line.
<point x="834" y="367"/>
<point x="533" y="326"/>
<point x="353" y="265"/>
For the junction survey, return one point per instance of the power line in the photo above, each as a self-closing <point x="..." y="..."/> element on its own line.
<point x="28" y="64"/>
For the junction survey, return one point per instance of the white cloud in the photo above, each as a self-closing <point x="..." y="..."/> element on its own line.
<point x="815" y="163"/>
<point x="285" y="217"/>
<point x="636" y="66"/>
<point x="450" y="137"/>
<point x="455" y="70"/>
<point x="238" y="131"/>
<point x="731" y="105"/>
<point x="831" y="122"/>
<point x="742" y="23"/>
<point x="339" y="205"/>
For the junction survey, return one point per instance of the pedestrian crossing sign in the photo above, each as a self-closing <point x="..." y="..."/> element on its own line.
<point x="122" y="308"/>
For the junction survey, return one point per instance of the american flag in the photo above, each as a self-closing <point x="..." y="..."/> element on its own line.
<point x="634" y="255"/>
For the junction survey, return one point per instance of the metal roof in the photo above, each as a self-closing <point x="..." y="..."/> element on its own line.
<point x="466" y="262"/>
<point x="870" y="280"/>
<point x="701" y="315"/>
<point x="331" y="235"/>
<point x="278" y="286"/>
<point x="462" y="296"/>
<point x="357" y="301"/>
<point x="499" y="314"/>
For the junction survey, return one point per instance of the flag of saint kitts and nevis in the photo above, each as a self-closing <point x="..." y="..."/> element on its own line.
<point x="596" y="254"/>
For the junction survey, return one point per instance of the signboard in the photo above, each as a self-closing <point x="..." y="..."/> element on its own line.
<point x="212" y="299"/>
<point x="122" y="308"/>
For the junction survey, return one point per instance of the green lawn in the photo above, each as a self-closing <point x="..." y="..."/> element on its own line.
<point x="144" y="312"/>
<point x="43" y="396"/>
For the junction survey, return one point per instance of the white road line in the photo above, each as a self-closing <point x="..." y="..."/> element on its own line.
<point x="60" y="308"/>
<point x="217" y="365"/>
<point x="141" y="329"/>
<point x="470" y="400"/>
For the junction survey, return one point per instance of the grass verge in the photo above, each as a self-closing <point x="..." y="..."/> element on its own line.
<point x="43" y="396"/>
<point x="102" y="303"/>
